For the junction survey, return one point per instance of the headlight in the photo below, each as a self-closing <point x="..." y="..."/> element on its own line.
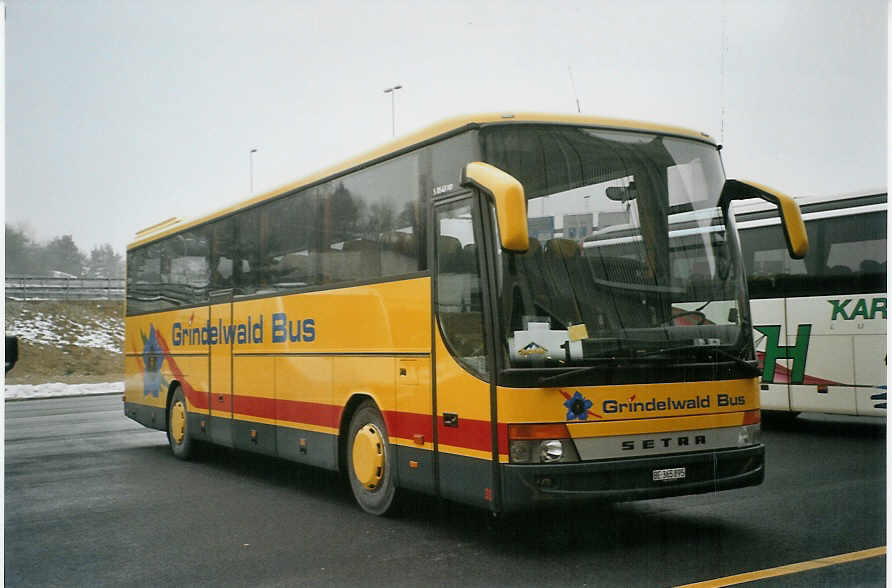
<point x="550" y="451"/>
<point x="546" y="451"/>
<point x="520" y="452"/>
<point x="749" y="435"/>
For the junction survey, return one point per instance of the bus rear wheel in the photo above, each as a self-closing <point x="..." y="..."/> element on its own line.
<point x="370" y="461"/>
<point x="181" y="444"/>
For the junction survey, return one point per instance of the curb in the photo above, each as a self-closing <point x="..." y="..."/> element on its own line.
<point x="118" y="393"/>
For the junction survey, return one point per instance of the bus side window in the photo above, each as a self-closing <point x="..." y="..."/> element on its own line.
<point x="855" y="251"/>
<point x="286" y="245"/>
<point x="138" y="286"/>
<point x="222" y="254"/>
<point x="187" y="267"/>
<point x="847" y="255"/>
<point x="248" y="253"/>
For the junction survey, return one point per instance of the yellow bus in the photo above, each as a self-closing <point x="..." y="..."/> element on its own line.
<point x="504" y="310"/>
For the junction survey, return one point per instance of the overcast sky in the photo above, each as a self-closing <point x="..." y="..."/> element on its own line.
<point x="120" y="114"/>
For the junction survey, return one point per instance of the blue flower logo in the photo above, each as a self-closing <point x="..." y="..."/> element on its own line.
<point x="152" y="357"/>
<point x="577" y="407"/>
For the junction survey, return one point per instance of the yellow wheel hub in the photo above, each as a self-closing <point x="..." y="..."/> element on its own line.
<point x="368" y="456"/>
<point x="178" y="421"/>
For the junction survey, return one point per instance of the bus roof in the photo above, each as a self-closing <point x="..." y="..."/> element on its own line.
<point x="753" y="206"/>
<point x="443" y="127"/>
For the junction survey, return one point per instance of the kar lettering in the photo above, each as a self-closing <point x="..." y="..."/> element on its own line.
<point x="860" y="308"/>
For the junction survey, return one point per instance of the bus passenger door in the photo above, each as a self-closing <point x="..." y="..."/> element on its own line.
<point x="220" y="357"/>
<point x="463" y="387"/>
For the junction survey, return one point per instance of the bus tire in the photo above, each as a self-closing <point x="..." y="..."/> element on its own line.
<point x="181" y="444"/>
<point x="370" y="461"/>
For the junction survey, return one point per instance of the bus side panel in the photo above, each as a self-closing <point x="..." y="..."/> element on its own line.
<point x="870" y="374"/>
<point x="192" y="374"/>
<point x="390" y="317"/>
<point x="139" y="405"/>
<point x="220" y="360"/>
<point x="820" y="344"/>
<point x="371" y="376"/>
<point x="767" y="315"/>
<point x="306" y="420"/>
<point x="464" y="432"/>
<point x="413" y="425"/>
<point x="253" y="404"/>
<point x="160" y="349"/>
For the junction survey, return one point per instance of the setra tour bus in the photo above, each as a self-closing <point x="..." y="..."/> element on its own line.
<point x="504" y="310"/>
<point x="820" y="322"/>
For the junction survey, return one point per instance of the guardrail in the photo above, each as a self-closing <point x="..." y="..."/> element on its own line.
<point x="33" y="287"/>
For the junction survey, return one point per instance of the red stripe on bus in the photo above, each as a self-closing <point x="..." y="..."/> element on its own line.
<point x="469" y="434"/>
<point x="408" y="424"/>
<point x="503" y="438"/>
<point x="196" y="398"/>
<point x="311" y="413"/>
<point x="256" y="406"/>
<point x="222" y="403"/>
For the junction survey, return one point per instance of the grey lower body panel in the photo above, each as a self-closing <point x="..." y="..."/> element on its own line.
<point x="527" y="486"/>
<point x="149" y="416"/>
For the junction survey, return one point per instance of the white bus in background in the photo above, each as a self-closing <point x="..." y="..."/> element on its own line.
<point x="820" y="322"/>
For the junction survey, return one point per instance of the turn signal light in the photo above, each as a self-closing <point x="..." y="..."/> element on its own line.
<point x="551" y="431"/>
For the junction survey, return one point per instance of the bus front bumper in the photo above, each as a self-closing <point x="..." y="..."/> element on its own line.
<point x="527" y="486"/>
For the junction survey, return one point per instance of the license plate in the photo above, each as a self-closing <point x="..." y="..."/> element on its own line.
<point x="668" y="474"/>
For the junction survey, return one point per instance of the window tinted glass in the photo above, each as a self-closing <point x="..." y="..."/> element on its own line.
<point x="292" y="230"/>
<point x="448" y="159"/>
<point x="459" y="298"/>
<point x="137" y="285"/>
<point x="248" y="273"/>
<point x="371" y="223"/>
<point x="185" y="267"/>
<point x="222" y="254"/>
<point x="847" y="254"/>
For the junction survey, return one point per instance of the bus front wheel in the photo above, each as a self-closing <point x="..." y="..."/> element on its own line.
<point x="370" y="461"/>
<point x="177" y="426"/>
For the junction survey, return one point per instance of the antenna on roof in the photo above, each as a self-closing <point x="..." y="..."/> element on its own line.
<point x="573" y="85"/>
<point x="722" y="89"/>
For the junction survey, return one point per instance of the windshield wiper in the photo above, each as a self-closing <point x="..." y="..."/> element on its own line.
<point x="606" y="362"/>
<point x="750" y="365"/>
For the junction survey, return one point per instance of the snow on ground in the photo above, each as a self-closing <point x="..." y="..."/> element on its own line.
<point x="48" y="329"/>
<point x="58" y="390"/>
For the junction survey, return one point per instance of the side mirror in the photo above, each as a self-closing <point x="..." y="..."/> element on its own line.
<point x="622" y="194"/>
<point x="510" y="202"/>
<point x="791" y="216"/>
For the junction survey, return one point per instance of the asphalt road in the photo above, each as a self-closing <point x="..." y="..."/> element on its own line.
<point x="93" y="499"/>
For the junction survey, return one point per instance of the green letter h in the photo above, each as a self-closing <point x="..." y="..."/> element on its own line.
<point x="774" y="351"/>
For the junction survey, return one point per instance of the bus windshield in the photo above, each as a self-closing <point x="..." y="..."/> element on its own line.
<point x="631" y="258"/>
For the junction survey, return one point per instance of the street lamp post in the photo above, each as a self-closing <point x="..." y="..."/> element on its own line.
<point x="251" y="166"/>
<point x="392" y="91"/>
